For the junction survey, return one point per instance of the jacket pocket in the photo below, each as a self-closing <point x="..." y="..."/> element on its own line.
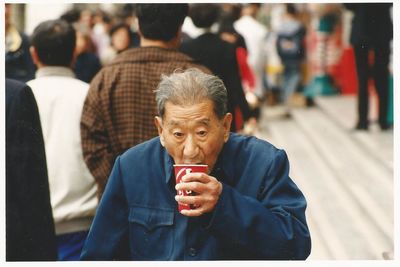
<point x="151" y="233"/>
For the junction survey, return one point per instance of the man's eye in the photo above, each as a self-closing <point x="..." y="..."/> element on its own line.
<point x="178" y="134"/>
<point x="202" y="133"/>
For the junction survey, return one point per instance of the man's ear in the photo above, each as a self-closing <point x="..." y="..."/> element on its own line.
<point x="139" y="32"/>
<point x="158" y="123"/>
<point x="34" y="55"/>
<point x="74" y="58"/>
<point x="227" y="120"/>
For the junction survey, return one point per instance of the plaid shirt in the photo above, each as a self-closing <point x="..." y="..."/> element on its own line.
<point x="120" y="106"/>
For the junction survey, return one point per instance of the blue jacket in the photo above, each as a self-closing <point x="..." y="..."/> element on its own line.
<point x="260" y="213"/>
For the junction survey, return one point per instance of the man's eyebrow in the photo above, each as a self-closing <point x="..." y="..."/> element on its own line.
<point x="173" y="123"/>
<point x="205" y="121"/>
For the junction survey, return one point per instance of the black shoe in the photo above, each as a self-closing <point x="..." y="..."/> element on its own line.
<point x="310" y="102"/>
<point x="385" y="126"/>
<point x="361" y="127"/>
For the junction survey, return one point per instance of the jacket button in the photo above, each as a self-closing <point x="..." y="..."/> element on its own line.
<point x="192" y="252"/>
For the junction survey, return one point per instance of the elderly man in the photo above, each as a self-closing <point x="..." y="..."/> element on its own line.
<point x="245" y="207"/>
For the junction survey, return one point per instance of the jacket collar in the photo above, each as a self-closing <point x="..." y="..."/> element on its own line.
<point x="54" y="71"/>
<point x="151" y="54"/>
<point x="168" y="166"/>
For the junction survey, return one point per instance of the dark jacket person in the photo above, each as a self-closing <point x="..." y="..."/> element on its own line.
<point x="245" y="207"/>
<point x="219" y="56"/>
<point x="30" y="234"/>
<point x="372" y="30"/>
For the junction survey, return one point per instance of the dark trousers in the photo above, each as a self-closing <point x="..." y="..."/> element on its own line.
<point x="70" y="245"/>
<point x="380" y="73"/>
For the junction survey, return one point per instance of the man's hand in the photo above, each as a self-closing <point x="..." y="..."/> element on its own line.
<point x="207" y="191"/>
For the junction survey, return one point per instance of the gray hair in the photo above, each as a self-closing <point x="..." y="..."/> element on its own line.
<point x="189" y="87"/>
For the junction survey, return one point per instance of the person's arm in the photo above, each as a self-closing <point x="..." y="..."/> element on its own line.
<point x="273" y="226"/>
<point x="108" y="235"/>
<point x="245" y="71"/>
<point x="96" y="142"/>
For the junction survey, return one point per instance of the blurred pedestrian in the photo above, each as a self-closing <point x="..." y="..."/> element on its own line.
<point x="72" y="16"/>
<point x="227" y="32"/>
<point x="60" y="98"/>
<point x="220" y="57"/>
<point x="102" y="22"/>
<point x="324" y="49"/>
<point x="372" y="30"/>
<point x="127" y="15"/>
<point x="120" y="41"/>
<point x="30" y="234"/>
<point x="86" y="18"/>
<point x="290" y="47"/>
<point x="87" y="63"/>
<point x="18" y="61"/>
<point x="120" y="34"/>
<point x="120" y="106"/>
<point x="255" y="35"/>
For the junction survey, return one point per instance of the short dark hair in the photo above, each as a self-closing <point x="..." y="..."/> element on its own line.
<point x="54" y="41"/>
<point x="119" y="25"/>
<point x="127" y="11"/>
<point x="291" y="9"/>
<point x="72" y="15"/>
<point x="161" y="21"/>
<point x="204" y="15"/>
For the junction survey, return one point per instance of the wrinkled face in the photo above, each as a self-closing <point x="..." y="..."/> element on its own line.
<point x="193" y="134"/>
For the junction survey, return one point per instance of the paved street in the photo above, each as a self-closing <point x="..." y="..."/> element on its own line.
<point x="346" y="176"/>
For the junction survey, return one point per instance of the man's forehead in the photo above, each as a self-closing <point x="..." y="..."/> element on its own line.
<point x="201" y="113"/>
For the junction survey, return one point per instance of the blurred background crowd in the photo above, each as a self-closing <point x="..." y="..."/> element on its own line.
<point x="286" y="53"/>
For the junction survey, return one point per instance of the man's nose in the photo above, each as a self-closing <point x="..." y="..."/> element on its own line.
<point x="191" y="149"/>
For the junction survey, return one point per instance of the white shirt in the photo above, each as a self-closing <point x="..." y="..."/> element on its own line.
<point x="60" y="99"/>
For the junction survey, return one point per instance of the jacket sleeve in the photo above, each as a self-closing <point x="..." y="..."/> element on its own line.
<point x="96" y="143"/>
<point x="270" y="226"/>
<point x="108" y="234"/>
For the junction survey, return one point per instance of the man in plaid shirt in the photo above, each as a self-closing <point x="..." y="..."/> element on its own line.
<point x="120" y="107"/>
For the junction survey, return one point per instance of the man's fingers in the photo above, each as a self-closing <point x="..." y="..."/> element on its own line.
<point x="191" y="186"/>
<point x="192" y="212"/>
<point x="207" y="189"/>
<point x="196" y="176"/>
<point x="195" y="200"/>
